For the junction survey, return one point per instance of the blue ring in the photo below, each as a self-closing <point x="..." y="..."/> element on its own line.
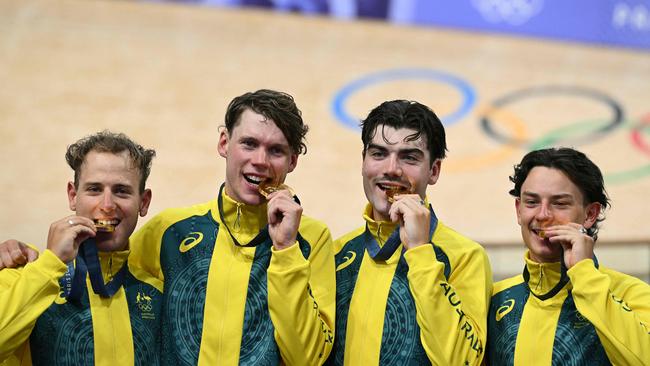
<point x="466" y="90"/>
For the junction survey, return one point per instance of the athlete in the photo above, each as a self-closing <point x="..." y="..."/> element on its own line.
<point x="566" y="308"/>
<point x="247" y="278"/>
<point x="410" y="290"/>
<point x="81" y="302"/>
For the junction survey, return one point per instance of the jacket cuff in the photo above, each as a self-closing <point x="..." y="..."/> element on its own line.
<point x="581" y="270"/>
<point x="50" y="265"/>
<point x="422" y="255"/>
<point x="286" y="258"/>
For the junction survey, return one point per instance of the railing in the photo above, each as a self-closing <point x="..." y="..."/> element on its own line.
<point x="630" y="257"/>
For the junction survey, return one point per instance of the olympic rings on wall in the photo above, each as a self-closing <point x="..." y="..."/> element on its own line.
<point x="345" y="93"/>
<point x="614" y="122"/>
<point x="513" y="134"/>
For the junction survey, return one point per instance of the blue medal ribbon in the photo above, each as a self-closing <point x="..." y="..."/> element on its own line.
<point x="382" y="253"/>
<point x="87" y="262"/>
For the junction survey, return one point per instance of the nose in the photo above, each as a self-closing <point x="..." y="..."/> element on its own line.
<point x="394" y="168"/>
<point x="108" y="203"/>
<point x="260" y="157"/>
<point x="544" y="213"/>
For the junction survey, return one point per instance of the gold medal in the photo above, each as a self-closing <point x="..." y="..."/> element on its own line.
<point x="395" y="191"/>
<point x="104" y="226"/>
<point x="267" y="187"/>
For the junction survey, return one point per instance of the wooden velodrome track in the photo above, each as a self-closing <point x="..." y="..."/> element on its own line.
<point x="164" y="74"/>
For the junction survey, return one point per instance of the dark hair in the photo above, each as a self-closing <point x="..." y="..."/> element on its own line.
<point x="110" y="142"/>
<point x="407" y="114"/>
<point x="577" y="166"/>
<point x="276" y="106"/>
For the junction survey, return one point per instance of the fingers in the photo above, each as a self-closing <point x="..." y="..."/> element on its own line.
<point x="407" y="205"/>
<point x="5" y="260"/>
<point x="413" y="217"/>
<point x="283" y="215"/>
<point x="31" y="254"/>
<point x="67" y="234"/>
<point x="281" y="204"/>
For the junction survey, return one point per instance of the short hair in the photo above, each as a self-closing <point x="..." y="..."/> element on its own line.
<point x="276" y="106"/>
<point x="574" y="164"/>
<point x="407" y="114"/>
<point x="110" y="142"/>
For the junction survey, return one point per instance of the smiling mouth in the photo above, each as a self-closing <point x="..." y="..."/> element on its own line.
<point x="392" y="190"/>
<point x="106" y="226"/>
<point x="254" y="179"/>
<point x="539" y="232"/>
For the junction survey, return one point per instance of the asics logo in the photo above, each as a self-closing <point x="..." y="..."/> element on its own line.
<point x="347" y="260"/>
<point x="504" y="309"/>
<point x="192" y="240"/>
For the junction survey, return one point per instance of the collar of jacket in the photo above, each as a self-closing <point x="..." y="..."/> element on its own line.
<point x="543" y="276"/>
<point x="112" y="262"/>
<point x="242" y="219"/>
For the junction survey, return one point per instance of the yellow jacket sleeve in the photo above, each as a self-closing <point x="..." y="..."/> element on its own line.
<point x="302" y="297"/>
<point x="25" y="293"/>
<point x="144" y="259"/>
<point x="451" y="313"/>
<point x="618" y="306"/>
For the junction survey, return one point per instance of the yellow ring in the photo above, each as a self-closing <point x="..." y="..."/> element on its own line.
<point x="518" y="129"/>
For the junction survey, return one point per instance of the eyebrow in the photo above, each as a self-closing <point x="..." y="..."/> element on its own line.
<point x="400" y="151"/>
<point x="555" y="196"/>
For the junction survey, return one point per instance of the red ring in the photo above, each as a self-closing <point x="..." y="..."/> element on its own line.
<point x="637" y="136"/>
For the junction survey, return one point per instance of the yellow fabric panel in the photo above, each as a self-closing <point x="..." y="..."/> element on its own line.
<point x="618" y="306"/>
<point x="534" y="344"/>
<point x="368" y="305"/>
<point x="227" y="286"/>
<point x="457" y="307"/>
<point x="367" y="309"/>
<point x="112" y="334"/>
<point x="304" y="324"/>
<point x="25" y="293"/>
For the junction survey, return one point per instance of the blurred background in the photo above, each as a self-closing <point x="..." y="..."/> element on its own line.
<point x="505" y="76"/>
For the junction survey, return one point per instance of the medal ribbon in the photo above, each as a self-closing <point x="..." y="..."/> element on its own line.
<point x="382" y="253"/>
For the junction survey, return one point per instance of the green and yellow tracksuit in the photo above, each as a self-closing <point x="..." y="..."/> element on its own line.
<point x="426" y="305"/>
<point x="599" y="317"/>
<point x="226" y="304"/>
<point x="38" y="326"/>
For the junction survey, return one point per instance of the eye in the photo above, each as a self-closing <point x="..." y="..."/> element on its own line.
<point x="122" y="191"/>
<point x="377" y="153"/>
<point x="248" y="143"/>
<point x="277" y="151"/>
<point x="411" y="159"/>
<point x="93" y="189"/>
<point x="530" y="202"/>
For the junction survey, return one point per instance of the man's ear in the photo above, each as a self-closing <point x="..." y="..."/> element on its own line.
<point x="72" y="196"/>
<point x="293" y="163"/>
<point x="222" y="146"/>
<point x="145" y="201"/>
<point x="592" y="212"/>
<point x="517" y="204"/>
<point x="435" y="171"/>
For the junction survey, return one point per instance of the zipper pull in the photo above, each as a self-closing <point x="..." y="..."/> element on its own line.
<point x="237" y="224"/>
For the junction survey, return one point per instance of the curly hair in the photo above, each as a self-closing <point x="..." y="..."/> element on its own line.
<point x="276" y="106"/>
<point x="407" y="114"/>
<point x="110" y="142"/>
<point x="574" y="164"/>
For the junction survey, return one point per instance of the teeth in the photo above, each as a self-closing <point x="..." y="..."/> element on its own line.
<point x="253" y="179"/>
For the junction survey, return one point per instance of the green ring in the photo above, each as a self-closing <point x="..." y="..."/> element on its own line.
<point x="561" y="133"/>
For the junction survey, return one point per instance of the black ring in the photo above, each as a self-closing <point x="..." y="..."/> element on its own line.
<point x="616" y="121"/>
